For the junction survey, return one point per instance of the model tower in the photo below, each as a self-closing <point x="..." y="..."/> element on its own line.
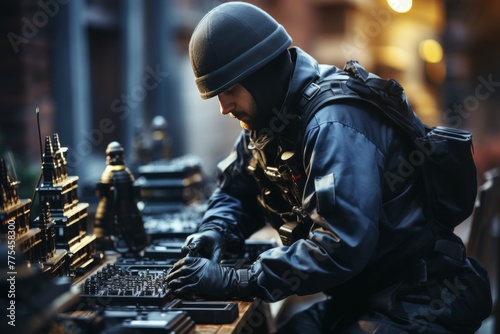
<point x="35" y="241"/>
<point x="59" y="198"/>
<point x="15" y="217"/>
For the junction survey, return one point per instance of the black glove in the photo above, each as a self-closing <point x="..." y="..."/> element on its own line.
<point x="193" y="277"/>
<point x="208" y="244"/>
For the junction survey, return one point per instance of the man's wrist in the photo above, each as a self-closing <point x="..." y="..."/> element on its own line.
<point x="243" y="278"/>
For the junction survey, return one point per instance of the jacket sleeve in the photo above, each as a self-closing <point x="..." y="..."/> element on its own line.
<point x="343" y="197"/>
<point x="233" y="209"/>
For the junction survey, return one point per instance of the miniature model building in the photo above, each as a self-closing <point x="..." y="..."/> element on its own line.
<point x="35" y="242"/>
<point x="52" y="259"/>
<point x="59" y="191"/>
<point x="15" y="216"/>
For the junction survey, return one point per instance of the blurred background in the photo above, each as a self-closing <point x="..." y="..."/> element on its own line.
<point x="109" y="70"/>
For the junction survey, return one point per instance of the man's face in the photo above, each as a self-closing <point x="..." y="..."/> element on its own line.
<point x="240" y="104"/>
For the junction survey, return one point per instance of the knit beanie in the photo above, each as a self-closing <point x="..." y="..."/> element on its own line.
<point x="230" y="43"/>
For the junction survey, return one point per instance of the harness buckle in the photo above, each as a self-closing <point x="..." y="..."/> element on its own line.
<point x="311" y="91"/>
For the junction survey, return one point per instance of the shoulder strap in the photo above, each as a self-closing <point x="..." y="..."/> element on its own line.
<point x="356" y="83"/>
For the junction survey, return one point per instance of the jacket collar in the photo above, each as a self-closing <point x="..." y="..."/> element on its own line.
<point x="306" y="70"/>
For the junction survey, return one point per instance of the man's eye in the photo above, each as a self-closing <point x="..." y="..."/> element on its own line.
<point x="232" y="90"/>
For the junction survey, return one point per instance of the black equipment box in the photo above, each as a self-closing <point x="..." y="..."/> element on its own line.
<point x="145" y="263"/>
<point x="177" y="322"/>
<point x="165" y="184"/>
<point x="206" y="312"/>
<point x="166" y="249"/>
<point x="174" y="224"/>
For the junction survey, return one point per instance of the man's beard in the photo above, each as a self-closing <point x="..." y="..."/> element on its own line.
<point x="245" y="126"/>
<point x="262" y="121"/>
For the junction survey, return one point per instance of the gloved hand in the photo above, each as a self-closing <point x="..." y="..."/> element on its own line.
<point x="194" y="277"/>
<point x="208" y="244"/>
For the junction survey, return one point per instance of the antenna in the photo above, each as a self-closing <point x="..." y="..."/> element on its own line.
<point x="37" y="110"/>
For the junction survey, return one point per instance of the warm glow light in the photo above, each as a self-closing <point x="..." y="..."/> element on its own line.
<point x="436" y="72"/>
<point x="400" y="6"/>
<point x="430" y="51"/>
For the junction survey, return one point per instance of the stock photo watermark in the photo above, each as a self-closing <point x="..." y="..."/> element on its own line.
<point x="151" y="80"/>
<point x="408" y="166"/>
<point x="428" y="314"/>
<point x="459" y="111"/>
<point x="31" y="26"/>
<point x="11" y="273"/>
<point x="365" y="34"/>
<point x="277" y="123"/>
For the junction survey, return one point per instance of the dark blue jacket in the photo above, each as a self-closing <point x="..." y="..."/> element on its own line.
<point x="359" y="189"/>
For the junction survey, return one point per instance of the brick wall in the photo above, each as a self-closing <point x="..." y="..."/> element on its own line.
<point x="24" y="86"/>
<point x="25" y="78"/>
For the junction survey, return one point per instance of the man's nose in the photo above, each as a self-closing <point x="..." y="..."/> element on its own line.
<point x="226" y="106"/>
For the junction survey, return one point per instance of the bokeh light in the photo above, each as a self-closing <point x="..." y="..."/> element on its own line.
<point x="400" y="6"/>
<point x="431" y="51"/>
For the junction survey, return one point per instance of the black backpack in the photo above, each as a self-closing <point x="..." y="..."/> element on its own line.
<point x="443" y="154"/>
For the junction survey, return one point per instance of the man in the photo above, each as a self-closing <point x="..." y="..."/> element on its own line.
<point x="319" y="180"/>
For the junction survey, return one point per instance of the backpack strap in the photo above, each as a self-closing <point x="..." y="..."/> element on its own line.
<point x="387" y="96"/>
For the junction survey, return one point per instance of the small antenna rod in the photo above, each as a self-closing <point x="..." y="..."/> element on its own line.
<point x="39" y="132"/>
<point x="41" y="155"/>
